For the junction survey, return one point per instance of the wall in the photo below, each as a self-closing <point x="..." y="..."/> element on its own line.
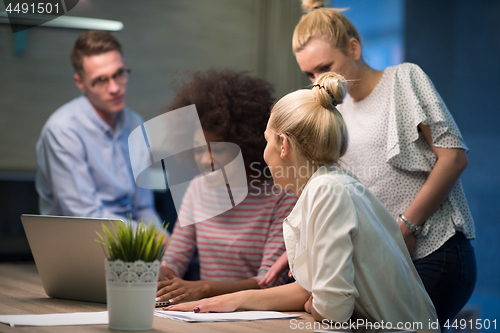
<point x="380" y="25"/>
<point x="457" y="44"/>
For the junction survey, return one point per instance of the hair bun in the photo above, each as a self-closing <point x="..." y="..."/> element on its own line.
<point x="330" y="89"/>
<point x="310" y="5"/>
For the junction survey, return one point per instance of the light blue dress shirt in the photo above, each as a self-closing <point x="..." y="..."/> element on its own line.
<point x="84" y="167"/>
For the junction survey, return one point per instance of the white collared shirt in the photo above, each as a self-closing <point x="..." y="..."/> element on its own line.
<point x="347" y="250"/>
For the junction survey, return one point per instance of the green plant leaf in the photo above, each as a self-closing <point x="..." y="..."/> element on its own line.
<point x="132" y="241"/>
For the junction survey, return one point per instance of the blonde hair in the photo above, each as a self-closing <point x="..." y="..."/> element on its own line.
<point x="312" y="123"/>
<point x="328" y="24"/>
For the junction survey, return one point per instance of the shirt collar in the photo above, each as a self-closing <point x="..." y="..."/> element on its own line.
<point x="90" y="112"/>
<point x="295" y="218"/>
<point x="329" y="169"/>
<point x="322" y="170"/>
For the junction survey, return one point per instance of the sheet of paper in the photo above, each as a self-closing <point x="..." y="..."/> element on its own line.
<point x="226" y="316"/>
<point x="57" y="319"/>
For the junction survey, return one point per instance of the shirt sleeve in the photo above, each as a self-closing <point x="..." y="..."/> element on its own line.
<point x="144" y="205"/>
<point x="61" y="156"/>
<point x="416" y="101"/>
<point x="183" y="240"/>
<point x="331" y="227"/>
<point x="275" y="245"/>
<point x="143" y="198"/>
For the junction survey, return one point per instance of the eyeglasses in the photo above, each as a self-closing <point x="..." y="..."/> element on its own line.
<point x="120" y="77"/>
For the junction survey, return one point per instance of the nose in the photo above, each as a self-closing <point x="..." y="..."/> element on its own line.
<point x="206" y="159"/>
<point x="113" y="86"/>
<point x="317" y="75"/>
<point x="314" y="78"/>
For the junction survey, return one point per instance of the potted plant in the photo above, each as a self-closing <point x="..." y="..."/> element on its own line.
<point x="134" y="252"/>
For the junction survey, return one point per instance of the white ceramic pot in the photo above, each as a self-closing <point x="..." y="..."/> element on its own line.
<point x="131" y="292"/>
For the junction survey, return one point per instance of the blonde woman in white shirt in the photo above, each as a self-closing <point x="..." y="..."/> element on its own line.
<point x="344" y="248"/>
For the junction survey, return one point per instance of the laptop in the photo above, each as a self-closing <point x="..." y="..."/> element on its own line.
<point x="69" y="260"/>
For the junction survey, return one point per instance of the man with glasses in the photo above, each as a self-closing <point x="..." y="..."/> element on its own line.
<point x="84" y="168"/>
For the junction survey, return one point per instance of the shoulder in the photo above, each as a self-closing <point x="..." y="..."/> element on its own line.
<point x="132" y="118"/>
<point x="331" y="187"/>
<point x="406" y="68"/>
<point x="66" y="119"/>
<point x="267" y="191"/>
<point x="410" y="73"/>
<point x="195" y="186"/>
<point x="332" y="179"/>
<point x="268" y="198"/>
<point x="66" y="112"/>
<point x="328" y="200"/>
<point x="411" y="86"/>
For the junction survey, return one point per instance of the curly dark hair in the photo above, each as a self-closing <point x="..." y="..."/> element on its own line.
<point x="233" y="105"/>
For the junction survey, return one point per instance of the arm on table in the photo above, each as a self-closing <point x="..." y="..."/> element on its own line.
<point x="178" y="290"/>
<point x="289" y="297"/>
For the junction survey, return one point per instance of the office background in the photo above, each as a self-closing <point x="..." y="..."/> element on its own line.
<point x="456" y="42"/>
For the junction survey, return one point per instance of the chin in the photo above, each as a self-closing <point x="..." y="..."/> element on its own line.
<point x="115" y="107"/>
<point x="115" y="110"/>
<point x="277" y="185"/>
<point x="211" y="179"/>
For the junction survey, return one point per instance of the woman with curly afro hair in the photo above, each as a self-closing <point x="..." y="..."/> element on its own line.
<point x="235" y="248"/>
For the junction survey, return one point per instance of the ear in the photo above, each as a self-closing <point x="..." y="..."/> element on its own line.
<point x="285" y="149"/>
<point x="79" y="82"/>
<point x="354" y="48"/>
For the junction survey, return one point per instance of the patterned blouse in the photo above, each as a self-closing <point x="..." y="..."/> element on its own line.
<point x="391" y="156"/>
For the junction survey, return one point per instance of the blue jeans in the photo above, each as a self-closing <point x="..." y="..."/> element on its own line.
<point x="449" y="276"/>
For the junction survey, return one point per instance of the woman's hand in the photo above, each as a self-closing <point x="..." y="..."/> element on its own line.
<point x="223" y="303"/>
<point x="165" y="272"/>
<point x="273" y="274"/>
<point x="175" y="289"/>
<point x="408" y="237"/>
<point x="288" y="297"/>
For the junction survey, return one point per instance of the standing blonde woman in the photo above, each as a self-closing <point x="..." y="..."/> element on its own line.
<point x="405" y="147"/>
<point x="345" y="250"/>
